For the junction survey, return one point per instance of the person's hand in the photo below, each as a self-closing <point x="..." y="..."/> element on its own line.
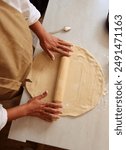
<point x="46" y="111"/>
<point x="52" y="44"/>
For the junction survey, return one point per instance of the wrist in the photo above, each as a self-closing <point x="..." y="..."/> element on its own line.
<point x="17" y="112"/>
<point x="38" y="29"/>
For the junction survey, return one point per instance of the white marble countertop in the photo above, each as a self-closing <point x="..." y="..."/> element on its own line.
<point x="90" y="131"/>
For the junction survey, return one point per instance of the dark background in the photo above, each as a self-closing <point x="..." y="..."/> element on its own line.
<point x="41" y="5"/>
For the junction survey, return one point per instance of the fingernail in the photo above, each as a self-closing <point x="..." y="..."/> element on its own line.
<point x="45" y="93"/>
<point x="53" y="58"/>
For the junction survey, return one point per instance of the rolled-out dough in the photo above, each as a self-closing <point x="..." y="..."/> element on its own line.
<point x="77" y="81"/>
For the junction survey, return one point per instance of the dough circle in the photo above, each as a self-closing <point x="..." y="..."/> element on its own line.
<point x="77" y="81"/>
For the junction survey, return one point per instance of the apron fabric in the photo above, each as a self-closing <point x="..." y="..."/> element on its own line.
<point x="15" y="52"/>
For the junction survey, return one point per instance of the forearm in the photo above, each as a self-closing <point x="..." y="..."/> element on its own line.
<point x="17" y="112"/>
<point x="38" y="29"/>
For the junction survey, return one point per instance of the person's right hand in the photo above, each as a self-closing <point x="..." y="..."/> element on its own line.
<point x="47" y="111"/>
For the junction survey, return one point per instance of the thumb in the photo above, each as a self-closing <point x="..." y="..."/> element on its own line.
<point x="43" y="95"/>
<point x="50" y="54"/>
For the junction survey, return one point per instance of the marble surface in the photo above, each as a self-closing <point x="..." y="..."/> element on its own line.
<point x="90" y="131"/>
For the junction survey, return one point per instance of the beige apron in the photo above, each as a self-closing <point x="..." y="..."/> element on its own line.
<point x="15" y="51"/>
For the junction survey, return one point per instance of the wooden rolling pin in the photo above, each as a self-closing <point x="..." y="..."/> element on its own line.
<point x="61" y="79"/>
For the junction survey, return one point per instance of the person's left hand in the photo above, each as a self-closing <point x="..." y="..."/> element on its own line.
<point x="52" y="44"/>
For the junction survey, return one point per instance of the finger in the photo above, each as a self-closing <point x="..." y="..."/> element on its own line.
<point x="64" y="43"/>
<point x="52" y="110"/>
<point x="53" y="105"/>
<point x="43" y="95"/>
<point x="45" y="117"/>
<point x="64" y="53"/>
<point x="51" y="117"/>
<point x="50" y="54"/>
<point x="66" y="48"/>
<point x="42" y="116"/>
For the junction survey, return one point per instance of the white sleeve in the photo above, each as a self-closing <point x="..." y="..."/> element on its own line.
<point x="3" y="117"/>
<point x="29" y="11"/>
